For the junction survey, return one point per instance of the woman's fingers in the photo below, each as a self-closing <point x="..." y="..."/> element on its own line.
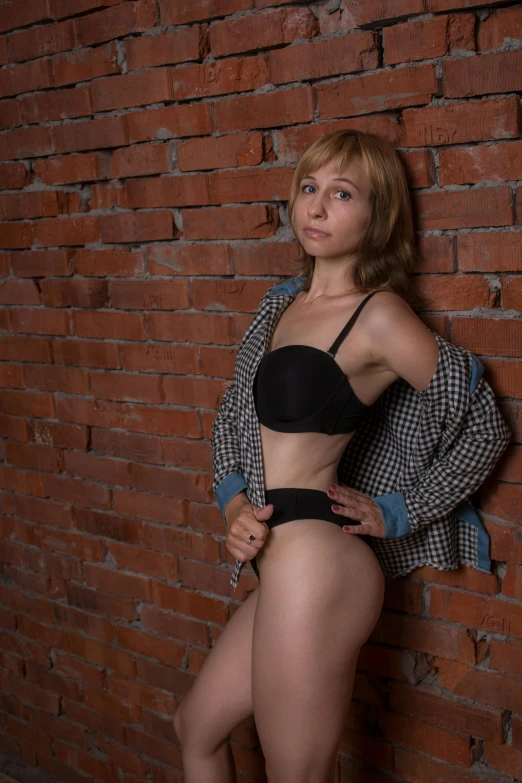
<point x="359" y="508"/>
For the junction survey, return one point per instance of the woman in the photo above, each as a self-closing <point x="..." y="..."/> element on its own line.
<point x="311" y="374"/>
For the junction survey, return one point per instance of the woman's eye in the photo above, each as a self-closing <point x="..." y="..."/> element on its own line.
<point x="303" y="187"/>
<point x="346" y="194"/>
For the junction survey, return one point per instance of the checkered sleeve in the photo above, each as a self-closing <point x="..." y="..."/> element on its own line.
<point x="483" y="437"/>
<point x="228" y="478"/>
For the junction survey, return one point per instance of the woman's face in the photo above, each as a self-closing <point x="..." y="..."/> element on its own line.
<point x="336" y="203"/>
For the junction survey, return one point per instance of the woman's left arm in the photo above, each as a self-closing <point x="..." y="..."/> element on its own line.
<point x="411" y="350"/>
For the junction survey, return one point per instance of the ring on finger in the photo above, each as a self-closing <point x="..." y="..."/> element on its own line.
<point x="251" y="538"/>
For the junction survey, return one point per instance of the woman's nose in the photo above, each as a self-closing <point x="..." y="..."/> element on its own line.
<point x="315" y="208"/>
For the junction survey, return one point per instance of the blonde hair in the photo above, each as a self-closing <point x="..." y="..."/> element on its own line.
<point x="386" y="253"/>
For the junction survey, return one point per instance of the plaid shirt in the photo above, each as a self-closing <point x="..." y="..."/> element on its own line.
<point x="419" y="454"/>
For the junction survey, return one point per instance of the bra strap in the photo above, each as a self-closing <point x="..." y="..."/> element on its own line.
<point x="335" y="347"/>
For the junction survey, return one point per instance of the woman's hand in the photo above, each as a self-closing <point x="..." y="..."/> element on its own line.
<point x="243" y="520"/>
<point x="359" y="507"/>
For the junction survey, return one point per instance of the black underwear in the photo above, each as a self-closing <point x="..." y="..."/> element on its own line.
<point x="297" y="503"/>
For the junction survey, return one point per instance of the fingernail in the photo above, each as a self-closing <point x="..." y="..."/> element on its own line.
<point x="335" y="508"/>
<point x="333" y="486"/>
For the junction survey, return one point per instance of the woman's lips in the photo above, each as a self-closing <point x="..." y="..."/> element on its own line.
<point x="315" y="234"/>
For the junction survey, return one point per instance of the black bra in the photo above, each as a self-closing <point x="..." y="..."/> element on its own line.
<point x="298" y="388"/>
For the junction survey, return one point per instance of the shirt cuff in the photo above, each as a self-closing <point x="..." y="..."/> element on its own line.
<point x="231" y="486"/>
<point x="394" y="514"/>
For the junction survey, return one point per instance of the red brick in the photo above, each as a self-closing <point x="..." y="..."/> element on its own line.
<point x="259" y="258"/>
<point x="181" y="13"/>
<point x="492" y="336"/>
<point x="470" y="682"/>
<point x="131" y="89"/>
<point x="236" y="295"/>
<point x="434" y="6"/>
<point x="66" y="169"/>
<point x="284" y="107"/>
<point x="498" y="28"/>
<point x="111" y="263"/>
<point x="460" y="165"/>
<point x="161" y="124"/>
<point x="512" y="292"/>
<point x="465" y="208"/>
<point x="343" y="54"/>
<point x="29" y="739"/>
<point x="261" y="31"/>
<point x="502" y="499"/>
<point x="14" y="292"/>
<point x="86" y="64"/>
<point x="176" y="191"/>
<point x="292" y="142"/>
<point x="426" y="704"/>
<point x="15" y="175"/>
<point x="143" y="159"/>
<point x="124" y="759"/>
<point x="92" y="134"/>
<point x="150" y="295"/>
<point x="454" y="292"/>
<point x="171" y="653"/>
<point x="505" y="541"/>
<point x="175" y="46"/>
<point x="496" y="118"/>
<point x="10" y="114"/>
<point x="462" y="577"/>
<point x="43" y="41"/>
<point x="516" y="726"/>
<point x="25" y="78"/>
<point x="190" y="603"/>
<point x="59" y="728"/>
<point x="432" y="740"/>
<point x="504" y="758"/>
<point x="114" y="707"/>
<point x="136" y="226"/>
<point x="116" y="581"/>
<point x="258" y="185"/>
<point x="126" y="326"/>
<point x="418" y="768"/>
<point x="220" y="77"/>
<point x="506" y="657"/>
<point x="154" y="748"/>
<point x="173" y="625"/>
<point x="39" y="203"/>
<point x="56" y="105"/>
<point x="505" y="377"/>
<point x="94" y="721"/>
<point x="16" y="14"/>
<point x="377" y="92"/>
<point x="27" y="143"/>
<point x="238" y="223"/>
<point x="67" y="231"/>
<point x="483" y="252"/>
<point x="27" y="692"/>
<point x="489" y="614"/>
<point x="15" y="235"/>
<point x="428" y="38"/>
<point x="74" y="293"/>
<point x="62" y="8"/>
<point x="86" y="353"/>
<point x="360" y="747"/>
<point x="425" y="635"/>
<point x="486" y="73"/>
<point x="232" y="151"/>
<point x="116" y="22"/>
<point x="382" y="10"/>
<point x="143" y="561"/>
<point x="120" y="386"/>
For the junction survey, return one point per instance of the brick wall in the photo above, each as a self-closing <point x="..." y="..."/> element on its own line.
<point x="147" y="151"/>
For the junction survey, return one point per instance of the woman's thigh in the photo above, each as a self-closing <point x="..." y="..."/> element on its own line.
<point x="320" y="597"/>
<point x="221" y="696"/>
